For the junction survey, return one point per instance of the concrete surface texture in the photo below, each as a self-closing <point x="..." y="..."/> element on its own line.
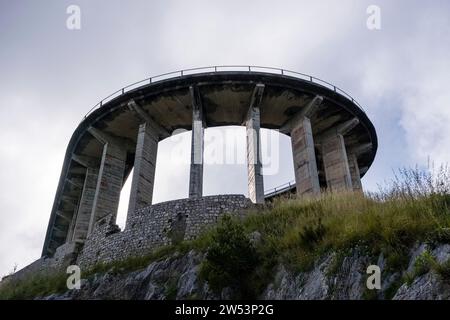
<point x="333" y="143"/>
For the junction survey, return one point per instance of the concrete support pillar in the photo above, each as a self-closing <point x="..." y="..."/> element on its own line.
<point x="254" y="162"/>
<point x="85" y="206"/>
<point x="144" y="169"/>
<point x="196" y="171"/>
<point x="109" y="183"/>
<point x="354" y="172"/>
<point x="305" y="167"/>
<point x="336" y="164"/>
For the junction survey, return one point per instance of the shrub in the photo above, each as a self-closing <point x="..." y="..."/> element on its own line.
<point x="424" y="263"/>
<point x="230" y="260"/>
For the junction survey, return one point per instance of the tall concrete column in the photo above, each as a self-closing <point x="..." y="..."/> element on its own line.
<point x="305" y="166"/>
<point x="303" y="152"/>
<point x="354" y="172"/>
<point x="144" y="169"/>
<point x="254" y="163"/>
<point x="353" y="153"/>
<point x="254" y="159"/>
<point x="336" y="164"/>
<point x="85" y="206"/>
<point x="196" y="170"/>
<point x="109" y="183"/>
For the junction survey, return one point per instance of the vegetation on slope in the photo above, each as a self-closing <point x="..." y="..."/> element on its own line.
<point x="414" y="207"/>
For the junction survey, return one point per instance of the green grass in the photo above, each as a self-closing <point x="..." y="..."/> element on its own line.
<point x="347" y="220"/>
<point x="44" y="285"/>
<point x="297" y="232"/>
<point x="32" y="287"/>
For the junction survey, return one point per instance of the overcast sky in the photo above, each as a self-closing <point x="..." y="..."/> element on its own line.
<point x="51" y="76"/>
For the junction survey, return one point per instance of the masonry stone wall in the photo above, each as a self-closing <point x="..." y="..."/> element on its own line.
<point x="157" y="225"/>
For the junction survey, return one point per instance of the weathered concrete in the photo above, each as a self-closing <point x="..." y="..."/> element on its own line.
<point x="144" y="169"/>
<point x="83" y="218"/>
<point x="197" y="144"/>
<point x="307" y="111"/>
<point x="303" y="152"/>
<point x="168" y="103"/>
<point x="354" y="172"/>
<point x="109" y="184"/>
<point x="144" y="117"/>
<point x="254" y="161"/>
<point x="305" y="167"/>
<point x="335" y="161"/>
<point x="71" y="228"/>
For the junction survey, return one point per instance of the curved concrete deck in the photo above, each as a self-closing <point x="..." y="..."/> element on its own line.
<point x="225" y="98"/>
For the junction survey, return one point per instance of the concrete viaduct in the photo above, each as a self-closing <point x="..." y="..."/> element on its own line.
<point x="333" y="141"/>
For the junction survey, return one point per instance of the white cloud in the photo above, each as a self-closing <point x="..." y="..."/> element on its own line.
<point x="400" y="74"/>
<point x="413" y="70"/>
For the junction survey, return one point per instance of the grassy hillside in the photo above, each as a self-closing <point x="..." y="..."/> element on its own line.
<point x="413" y="207"/>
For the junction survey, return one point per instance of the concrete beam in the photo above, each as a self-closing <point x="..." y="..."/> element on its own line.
<point x="78" y="183"/>
<point x="59" y="229"/>
<point x="105" y="138"/>
<point x="71" y="228"/>
<point x="58" y="233"/>
<point x="63" y="216"/>
<point x="304" y="156"/>
<point x="86" y="161"/>
<point x="307" y="111"/>
<point x="335" y="161"/>
<point x="363" y="170"/>
<point x="77" y="171"/>
<point x="197" y="145"/>
<point x="69" y="199"/>
<point x="257" y="96"/>
<point x="144" y="169"/>
<point x="347" y="126"/>
<point x="71" y="189"/>
<point x="361" y="149"/>
<point x="340" y="129"/>
<point x="109" y="183"/>
<point x="254" y="161"/>
<point x="56" y="243"/>
<point x="145" y="117"/>
<point x="85" y="206"/>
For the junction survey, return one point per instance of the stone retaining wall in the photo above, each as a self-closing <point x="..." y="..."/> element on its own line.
<point x="157" y="225"/>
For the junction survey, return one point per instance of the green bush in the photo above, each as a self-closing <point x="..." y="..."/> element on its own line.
<point x="230" y="260"/>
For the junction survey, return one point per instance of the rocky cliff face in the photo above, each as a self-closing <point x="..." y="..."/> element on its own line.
<point x="332" y="277"/>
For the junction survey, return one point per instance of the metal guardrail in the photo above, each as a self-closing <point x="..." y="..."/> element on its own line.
<point x="185" y="72"/>
<point x="279" y="189"/>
